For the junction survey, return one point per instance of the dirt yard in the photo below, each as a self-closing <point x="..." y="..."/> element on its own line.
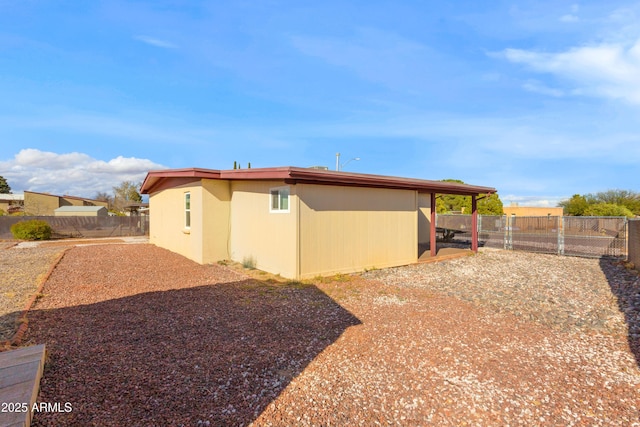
<point x="21" y="272"/>
<point x="140" y="336"/>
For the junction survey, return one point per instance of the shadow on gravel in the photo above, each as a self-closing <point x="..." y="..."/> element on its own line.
<point x="625" y="285"/>
<point x="206" y="356"/>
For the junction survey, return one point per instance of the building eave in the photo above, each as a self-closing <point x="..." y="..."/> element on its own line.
<point x="154" y="178"/>
<point x="297" y="175"/>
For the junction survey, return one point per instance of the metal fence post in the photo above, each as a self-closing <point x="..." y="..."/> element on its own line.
<point x="625" y="226"/>
<point x="561" y="236"/>
<point x="506" y="228"/>
<point x="508" y="235"/>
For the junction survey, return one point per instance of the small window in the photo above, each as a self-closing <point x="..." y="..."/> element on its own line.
<point x="279" y="199"/>
<point x="187" y="210"/>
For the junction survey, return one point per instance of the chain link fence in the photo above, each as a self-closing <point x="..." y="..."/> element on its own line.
<point x="84" y="226"/>
<point x="566" y="235"/>
<point x="634" y="242"/>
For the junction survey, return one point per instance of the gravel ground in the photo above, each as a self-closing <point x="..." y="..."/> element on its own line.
<point x="561" y="292"/>
<point x="20" y="273"/>
<point x="140" y="336"/>
<point x="6" y="244"/>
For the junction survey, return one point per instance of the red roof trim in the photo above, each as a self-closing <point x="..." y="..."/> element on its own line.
<point x="320" y="177"/>
<point x="153" y="178"/>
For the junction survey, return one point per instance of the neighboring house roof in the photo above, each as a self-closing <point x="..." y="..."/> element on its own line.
<point x="158" y="179"/>
<point x="80" y="209"/>
<point x="66" y="196"/>
<point x="11" y="197"/>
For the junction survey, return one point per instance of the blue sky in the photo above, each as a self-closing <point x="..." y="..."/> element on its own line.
<point x="539" y="99"/>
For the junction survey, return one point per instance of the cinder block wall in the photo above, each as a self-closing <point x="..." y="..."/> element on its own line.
<point x="634" y="242"/>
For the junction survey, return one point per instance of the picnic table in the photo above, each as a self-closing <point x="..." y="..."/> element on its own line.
<point x="448" y="234"/>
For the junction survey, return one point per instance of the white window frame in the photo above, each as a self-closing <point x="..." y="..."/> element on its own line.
<point x="187" y="210"/>
<point x="280" y="191"/>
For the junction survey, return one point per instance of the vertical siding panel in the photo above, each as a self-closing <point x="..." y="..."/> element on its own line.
<point x="270" y="238"/>
<point x="424" y="218"/>
<point x="216" y="201"/>
<point x="166" y="228"/>
<point x="346" y="229"/>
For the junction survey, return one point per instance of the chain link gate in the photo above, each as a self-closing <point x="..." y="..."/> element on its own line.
<point x="568" y="235"/>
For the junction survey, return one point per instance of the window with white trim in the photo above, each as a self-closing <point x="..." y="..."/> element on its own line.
<point x="279" y="200"/>
<point x="187" y="210"/>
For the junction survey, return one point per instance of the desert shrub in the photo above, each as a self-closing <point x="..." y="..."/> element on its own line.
<point x="249" y="262"/>
<point x="33" y="229"/>
<point x="608" y="209"/>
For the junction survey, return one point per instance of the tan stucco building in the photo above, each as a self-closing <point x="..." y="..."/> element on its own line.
<point x="44" y="204"/>
<point x="81" y="211"/>
<point x="296" y="222"/>
<point x="533" y="211"/>
<point x="10" y="202"/>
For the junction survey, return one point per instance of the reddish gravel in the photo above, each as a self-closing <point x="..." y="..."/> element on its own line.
<point x="140" y="336"/>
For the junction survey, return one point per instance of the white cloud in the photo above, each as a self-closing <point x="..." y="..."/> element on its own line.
<point x="534" y="201"/>
<point x="122" y="165"/>
<point x="32" y="158"/>
<point x="76" y="174"/>
<point x="540" y="136"/>
<point x="133" y="127"/>
<point x="610" y="70"/>
<point x="374" y="55"/>
<point x="536" y="86"/>
<point x="155" y="42"/>
<point x="621" y="25"/>
<point x="573" y="16"/>
<point x="569" y="18"/>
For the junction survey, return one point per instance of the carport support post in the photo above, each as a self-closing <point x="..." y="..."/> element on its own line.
<point x="432" y="232"/>
<point x="474" y="224"/>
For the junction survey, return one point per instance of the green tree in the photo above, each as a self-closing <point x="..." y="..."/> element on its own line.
<point x="489" y="205"/>
<point x="626" y="198"/>
<point x="578" y="204"/>
<point x="608" y="209"/>
<point x="125" y="194"/>
<point x="4" y="186"/>
<point x="575" y="206"/>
